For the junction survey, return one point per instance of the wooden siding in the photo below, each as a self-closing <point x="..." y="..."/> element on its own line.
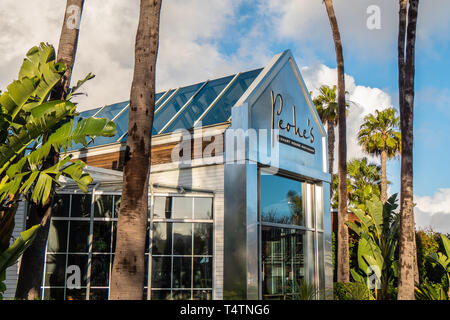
<point x="160" y="154"/>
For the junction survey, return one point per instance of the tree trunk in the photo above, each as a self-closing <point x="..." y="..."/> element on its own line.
<point x="331" y="140"/>
<point x="343" y="274"/>
<point x="406" y="94"/>
<point x="32" y="261"/>
<point x="127" y="279"/>
<point x="383" y="176"/>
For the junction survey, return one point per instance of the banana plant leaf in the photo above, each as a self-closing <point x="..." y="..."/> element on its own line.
<point x="10" y="255"/>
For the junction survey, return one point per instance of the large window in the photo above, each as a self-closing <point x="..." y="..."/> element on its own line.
<point x="182" y="248"/>
<point x="290" y="235"/>
<point x="81" y="243"/>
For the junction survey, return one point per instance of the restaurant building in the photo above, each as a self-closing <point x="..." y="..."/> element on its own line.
<point x="239" y="196"/>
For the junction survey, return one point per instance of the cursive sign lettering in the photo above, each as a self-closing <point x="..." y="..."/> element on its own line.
<point x="306" y="133"/>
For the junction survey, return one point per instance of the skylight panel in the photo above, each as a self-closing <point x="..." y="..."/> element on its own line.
<point x="187" y="118"/>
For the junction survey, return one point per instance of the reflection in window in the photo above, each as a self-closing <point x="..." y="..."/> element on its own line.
<point x="181" y="248"/>
<point x="287" y="214"/>
<point x="282" y="260"/>
<point x="281" y="200"/>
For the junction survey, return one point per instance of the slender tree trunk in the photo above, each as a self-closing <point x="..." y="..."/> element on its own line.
<point x="127" y="281"/>
<point x="407" y="263"/>
<point x="343" y="274"/>
<point x="32" y="261"/>
<point x="383" y="176"/>
<point x="331" y="141"/>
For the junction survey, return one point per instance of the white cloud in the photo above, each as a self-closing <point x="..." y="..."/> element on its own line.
<point x="433" y="211"/>
<point x="307" y="22"/>
<point x="364" y="100"/>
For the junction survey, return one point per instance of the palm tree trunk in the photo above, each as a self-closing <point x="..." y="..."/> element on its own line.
<point x="331" y="141"/>
<point x="32" y="261"/>
<point x="127" y="280"/>
<point x="406" y="93"/>
<point x="383" y="176"/>
<point x="343" y="274"/>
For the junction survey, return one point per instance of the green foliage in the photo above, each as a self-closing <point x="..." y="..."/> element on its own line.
<point x="431" y="291"/>
<point x="379" y="132"/>
<point x="31" y="127"/>
<point x="441" y="261"/>
<point x="9" y="256"/>
<point x="378" y="233"/>
<point x="351" y="291"/>
<point x="326" y="104"/>
<point x="363" y="183"/>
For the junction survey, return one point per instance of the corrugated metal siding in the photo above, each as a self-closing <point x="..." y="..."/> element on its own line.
<point x="211" y="178"/>
<point x="11" y="272"/>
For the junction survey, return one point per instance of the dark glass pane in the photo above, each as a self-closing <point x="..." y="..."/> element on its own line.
<point x="102" y="236"/>
<point x="81" y="205"/>
<point x="221" y="111"/>
<point x="61" y="203"/>
<point x="162" y="238"/>
<point x="146" y="271"/>
<point x="173" y="106"/>
<point x="110" y="111"/>
<point x="76" y="294"/>
<point x="158" y="95"/>
<point x="98" y="294"/>
<point x="202" y="295"/>
<point x="203" y="238"/>
<point x="161" y="275"/>
<point x="182" y="238"/>
<point x="162" y="207"/>
<point x="103" y="206"/>
<point x="202" y="272"/>
<point x="54" y="294"/>
<point x="55" y="270"/>
<point x="167" y="96"/>
<point x="181" y="294"/>
<point x="283" y="262"/>
<point x="79" y="236"/>
<point x="100" y="270"/>
<point x="281" y="200"/>
<point x="75" y="263"/>
<point x="198" y="105"/>
<point x="182" y="208"/>
<point x="114" y="235"/>
<point x="161" y="295"/>
<point x="117" y="200"/>
<point x="57" y="236"/>
<point x="182" y="272"/>
<point x="202" y="208"/>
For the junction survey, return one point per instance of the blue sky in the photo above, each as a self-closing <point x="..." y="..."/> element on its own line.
<point x="204" y="39"/>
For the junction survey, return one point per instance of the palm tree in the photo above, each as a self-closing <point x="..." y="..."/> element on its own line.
<point x="379" y="136"/>
<point x="32" y="263"/>
<point x="406" y="68"/>
<point x="327" y="108"/>
<point x="127" y="281"/>
<point x="343" y="274"/>
<point x="363" y="183"/>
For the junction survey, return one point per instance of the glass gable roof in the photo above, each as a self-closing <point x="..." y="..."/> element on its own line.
<point x="172" y="106"/>
<point x="197" y="105"/>
<point x="186" y="119"/>
<point x="221" y="111"/>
